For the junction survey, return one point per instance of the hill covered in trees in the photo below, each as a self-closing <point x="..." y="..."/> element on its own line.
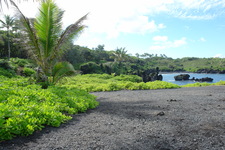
<point x="98" y="60"/>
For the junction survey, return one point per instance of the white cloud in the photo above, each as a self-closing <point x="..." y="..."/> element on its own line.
<point x="202" y="39"/>
<point x="162" y="43"/>
<point x="160" y="38"/>
<point x="158" y="47"/>
<point x="114" y="17"/>
<point x="218" y="56"/>
<point x="178" y="43"/>
<point x="198" y="9"/>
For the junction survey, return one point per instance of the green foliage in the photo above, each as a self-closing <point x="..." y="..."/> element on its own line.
<point x="219" y="83"/>
<point x="199" y="84"/>
<point x="90" y="67"/>
<point x="6" y="64"/>
<point x="26" y="108"/>
<point x="45" y="38"/>
<point x="104" y="82"/>
<point x="139" y="63"/>
<point x="21" y="62"/>
<point x="9" y="24"/>
<point x="28" y="72"/>
<point x="62" y="69"/>
<point x="7" y="73"/>
<point x="131" y="78"/>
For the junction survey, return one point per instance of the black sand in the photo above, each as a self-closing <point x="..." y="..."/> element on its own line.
<point x="168" y="119"/>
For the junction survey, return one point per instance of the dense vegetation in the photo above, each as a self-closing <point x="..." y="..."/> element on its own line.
<point x="199" y="84"/>
<point x="26" y="107"/>
<point x="98" y="60"/>
<point x="104" y="82"/>
<point x="30" y="102"/>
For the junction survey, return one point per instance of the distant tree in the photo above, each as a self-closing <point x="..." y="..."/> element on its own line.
<point x="147" y="55"/>
<point x="137" y="55"/>
<point x="100" y="48"/>
<point x="9" y="24"/>
<point x="120" y="55"/>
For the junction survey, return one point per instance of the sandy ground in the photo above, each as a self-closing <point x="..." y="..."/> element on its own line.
<point x="168" y="119"/>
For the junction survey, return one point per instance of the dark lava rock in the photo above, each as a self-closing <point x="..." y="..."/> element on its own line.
<point x="182" y="77"/>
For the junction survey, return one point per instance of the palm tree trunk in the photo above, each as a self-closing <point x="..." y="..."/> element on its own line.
<point x="9" y="51"/>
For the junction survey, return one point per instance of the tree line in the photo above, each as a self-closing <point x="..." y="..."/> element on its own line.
<point x="95" y="60"/>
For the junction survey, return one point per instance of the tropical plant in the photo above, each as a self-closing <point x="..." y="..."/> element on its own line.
<point x="120" y="55"/>
<point x="25" y="108"/>
<point x="9" y="24"/>
<point x="105" y="82"/>
<point x="48" y="41"/>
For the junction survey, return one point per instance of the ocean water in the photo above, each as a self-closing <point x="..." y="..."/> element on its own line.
<point x="170" y="77"/>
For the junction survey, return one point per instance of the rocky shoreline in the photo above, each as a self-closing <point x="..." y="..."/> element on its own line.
<point x="185" y="77"/>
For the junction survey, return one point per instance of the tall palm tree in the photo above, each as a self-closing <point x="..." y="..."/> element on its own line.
<point x="47" y="41"/>
<point x="9" y="24"/>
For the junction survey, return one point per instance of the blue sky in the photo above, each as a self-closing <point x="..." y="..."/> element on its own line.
<point x="177" y="28"/>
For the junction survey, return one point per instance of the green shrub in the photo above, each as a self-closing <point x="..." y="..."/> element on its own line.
<point x="25" y="108"/>
<point x="103" y="82"/>
<point x="20" y="62"/>
<point x="7" y="73"/>
<point x="90" y="67"/>
<point x="28" y="72"/>
<point x="132" y="78"/>
<point x="197" y="84"/>
<point x="5" y="64"/>
<point x="219" y="83"/>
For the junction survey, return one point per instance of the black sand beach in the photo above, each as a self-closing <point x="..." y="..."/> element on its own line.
<point x="169" y="119"/>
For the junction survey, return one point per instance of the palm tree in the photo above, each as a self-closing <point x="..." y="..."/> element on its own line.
<point x="120" y="55"/>
<point x="9" y="24"/>
<point x="47" y="41"/>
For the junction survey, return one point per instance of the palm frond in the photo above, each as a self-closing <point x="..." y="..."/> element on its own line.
<point x="48" y="26"/>
<point x="62" y="69"/>
<point x="2" y="22"/>
<point x="32" y="38"/>
<point x="70" y="33"/>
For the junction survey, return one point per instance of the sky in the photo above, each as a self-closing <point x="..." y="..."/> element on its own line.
<point x="176" y="28"/>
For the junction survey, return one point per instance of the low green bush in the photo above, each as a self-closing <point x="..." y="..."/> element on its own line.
<point x="28" y="72"/>
<point x="199" y="84"/>
<point x="132" y="78"/>
<point x="219" y="83"/>
<point x="20" y="62"/>
<point x="90" y="67"/>
<point x="7" y="73"/>
<point x="25" y="108"/>
<point x="103" y="82"/>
